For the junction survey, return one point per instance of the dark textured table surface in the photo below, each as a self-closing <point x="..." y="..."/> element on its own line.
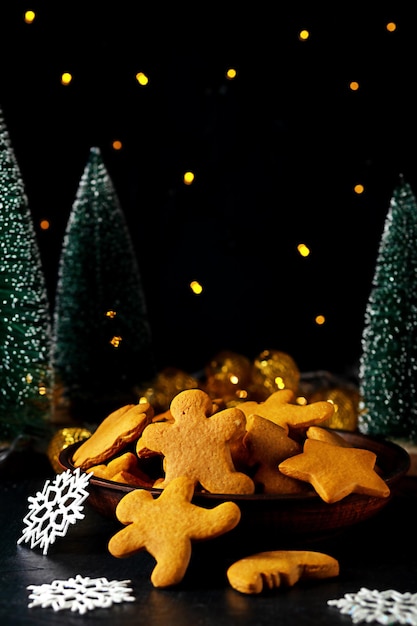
<point x="380" y="553"/>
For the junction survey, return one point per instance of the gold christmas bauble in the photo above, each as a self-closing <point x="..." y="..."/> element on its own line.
<point x="167" y="384"/>
<point x="346" y="408"/>
<point x="275" y="370"/>
<point x="228" y="375"/>
<point x="62" y="439"/>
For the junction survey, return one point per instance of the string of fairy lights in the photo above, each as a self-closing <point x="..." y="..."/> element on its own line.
<point x="303" y="35"/>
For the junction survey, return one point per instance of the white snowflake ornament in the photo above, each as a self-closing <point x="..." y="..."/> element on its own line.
<point x="55" y="508"/>
<point x="80" y="594"/>
<point x="384" y="607"/>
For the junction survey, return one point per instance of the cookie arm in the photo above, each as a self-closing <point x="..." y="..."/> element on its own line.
<point x="210" y="523"/>
<point x="228" y="424"/>
<point x="126" y="542"/>
<point x="152" y="438"/>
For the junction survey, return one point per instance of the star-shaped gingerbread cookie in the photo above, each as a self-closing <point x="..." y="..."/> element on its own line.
<point x="336" y="471"/>
<point x="280" y="408"/>
<point x="197" y="444"/>
<point x="166" y="526"/>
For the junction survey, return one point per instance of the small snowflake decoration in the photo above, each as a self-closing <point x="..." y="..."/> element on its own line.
<point x="384" y="607"/>
<point x="80" y="594"/>
<point x="53" y="510"/>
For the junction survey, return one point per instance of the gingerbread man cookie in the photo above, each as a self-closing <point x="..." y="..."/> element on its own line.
<point x="268" y="444"/>
<point x="166" y="526"/>
<point x="197" y="444"/>
<point x="280" y="408"/>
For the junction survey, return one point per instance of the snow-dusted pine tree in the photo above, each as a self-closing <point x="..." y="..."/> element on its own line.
<point x="102" y="347"/>
<point x="388" y="365"/>
<point x="25" y="321"/>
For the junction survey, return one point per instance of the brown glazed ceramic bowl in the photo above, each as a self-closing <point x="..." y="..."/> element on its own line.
<point x="287" y="517"/>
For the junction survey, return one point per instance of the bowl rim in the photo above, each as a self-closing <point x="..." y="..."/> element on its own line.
<point x="378" y="445"/>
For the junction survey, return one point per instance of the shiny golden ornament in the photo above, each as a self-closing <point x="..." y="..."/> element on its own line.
<point x="228" y="376"/>
<point x="346" y="408"/>
<point x="167" y="384"/>
<point x="275" y="370"/>
<point x="62" y="439"/>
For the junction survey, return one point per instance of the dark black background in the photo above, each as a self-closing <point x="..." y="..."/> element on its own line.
<point x="276" y="154"/>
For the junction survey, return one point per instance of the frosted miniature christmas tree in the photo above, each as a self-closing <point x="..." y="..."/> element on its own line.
<point x="25" y="323"/>
<point x="101" y="336"/>
<point x="388" y="365"/>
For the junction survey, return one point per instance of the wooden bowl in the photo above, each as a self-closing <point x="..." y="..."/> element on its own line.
<point x="287" y="517"/>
